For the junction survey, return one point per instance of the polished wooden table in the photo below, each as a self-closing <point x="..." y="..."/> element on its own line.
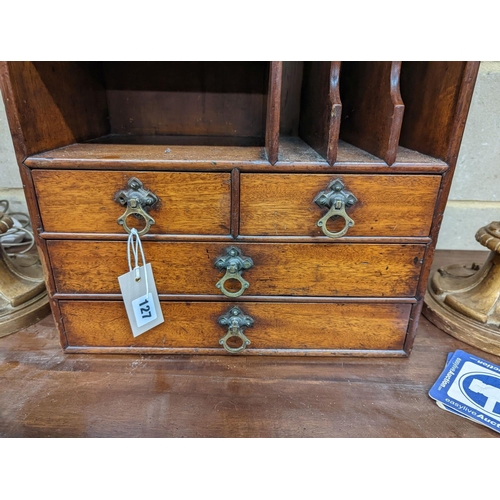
<point x="46" y="393"/>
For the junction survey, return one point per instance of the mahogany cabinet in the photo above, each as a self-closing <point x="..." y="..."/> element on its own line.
<point x="296" y="205"/>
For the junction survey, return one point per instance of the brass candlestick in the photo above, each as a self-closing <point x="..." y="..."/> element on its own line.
<point x="464" y="301"/>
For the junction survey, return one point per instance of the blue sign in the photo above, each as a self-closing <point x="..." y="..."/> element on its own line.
<point x="482" y="390"/>
<point x="470" y="386"/>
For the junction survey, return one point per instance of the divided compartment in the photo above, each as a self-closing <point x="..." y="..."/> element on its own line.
<point x="431" y="93"/>
<point x="372" y="108"/>
<point x="372" y="113"/>
<point x="404" y="112"/>
<point x="145" y="103"/>
<point x="187" y="103"/>
<point x="310" y="111"/>
<point x="347" y="112"/>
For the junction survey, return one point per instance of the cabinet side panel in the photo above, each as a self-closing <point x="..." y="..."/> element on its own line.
<point x="56" y="103"/>
<point x="431" y="92"/>
<point x="12" y="114"/>
<point x="34" y="214"/>
<point x="465" y="88"/>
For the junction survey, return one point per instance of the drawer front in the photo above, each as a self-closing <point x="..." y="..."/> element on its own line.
<point x="276" y="325"/>
<point x="83" y="201"/>
<point x="387" y="205"/>
<point x="294" y="269"/>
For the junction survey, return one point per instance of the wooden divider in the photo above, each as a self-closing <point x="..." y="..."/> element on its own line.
<point x="321" y="108"/>
<point x="273" y="111"/>
<point x="372" y="108"/>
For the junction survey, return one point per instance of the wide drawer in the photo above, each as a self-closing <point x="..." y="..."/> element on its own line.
<point x="294" y="269"/>
<point x="387" y="205"/>
<point x="193" y="325"/>
<point x="84" y="201"/>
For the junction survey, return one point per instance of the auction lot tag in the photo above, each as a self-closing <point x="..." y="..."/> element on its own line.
<point x="470" y="387"/>
<point x="141" y="299"/>
<point x="144" y="309"/>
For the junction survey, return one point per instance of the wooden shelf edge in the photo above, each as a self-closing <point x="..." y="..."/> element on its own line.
<point x="250" y="298"/>
<point x="294" y="154"/>
<point x="396" y="240"/>
<point x="278" y="167"/>
<point x="248" y="352"/>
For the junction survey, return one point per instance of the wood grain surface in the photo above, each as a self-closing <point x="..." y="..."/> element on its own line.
<point x="52" y="107"/>
<point x="54" y="104"/>
<point x="294" y="155"/>
<point x="187" y="113"/>
<point x="445" y="144"/>
<point x="82" y="201"/>
<point x="321" y="109"/>
<point x="372" y="109"/>
<point x="283" y="204"/>
<point x="291" y="86"/>
<point x="193" y="325"/>
<point x="281" y="269"/>
<point x="47" y="393"/>
<point x="36" y="224"/>
<point x="273" y="111"/>
<point x="225" y="98"/>
<point x="430" y="93"/>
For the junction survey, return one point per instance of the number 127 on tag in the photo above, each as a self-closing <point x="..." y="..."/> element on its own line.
<point x="144" y="309"/>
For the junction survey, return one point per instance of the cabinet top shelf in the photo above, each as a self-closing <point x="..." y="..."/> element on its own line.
<point x="294" y="154"/>
<point x="392" y="116"/>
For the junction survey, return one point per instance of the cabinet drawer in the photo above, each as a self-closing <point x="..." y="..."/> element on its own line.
<point x="83" y="201"/>
<point x="294" y="269"/>
<point x="387" y="205"/>
<point x="193" y="325"/>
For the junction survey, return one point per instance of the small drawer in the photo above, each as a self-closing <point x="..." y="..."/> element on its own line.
<point x="194" y="325"/>
<point x="84" y="201"/>
<point x="293" y="269"/>
<point x="386" y="205"/>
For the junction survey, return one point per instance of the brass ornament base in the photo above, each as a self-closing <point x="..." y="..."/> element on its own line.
<point x="464" y="301"/>
<point x="23" y="298"/>
<point x="13" y="319"/>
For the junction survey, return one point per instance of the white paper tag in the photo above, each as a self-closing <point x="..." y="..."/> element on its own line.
<point x="143" y="311"/>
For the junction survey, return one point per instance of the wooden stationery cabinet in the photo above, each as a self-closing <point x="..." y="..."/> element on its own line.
<point x="296" y="205"/>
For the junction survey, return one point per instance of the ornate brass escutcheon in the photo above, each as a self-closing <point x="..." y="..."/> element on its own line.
<point x="337" y="199"/>
<point x="138" y="201"/>
<point x="236" y="321"/>
<point x="234" y="264"/>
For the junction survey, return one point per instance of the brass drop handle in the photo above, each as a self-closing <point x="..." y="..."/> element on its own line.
<point x="234" y="263"/>
<point x="236" y="321"/>
<point x="337" y="199"/>
<point x="134" y="208"/>
<point x="137" y="200"/>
